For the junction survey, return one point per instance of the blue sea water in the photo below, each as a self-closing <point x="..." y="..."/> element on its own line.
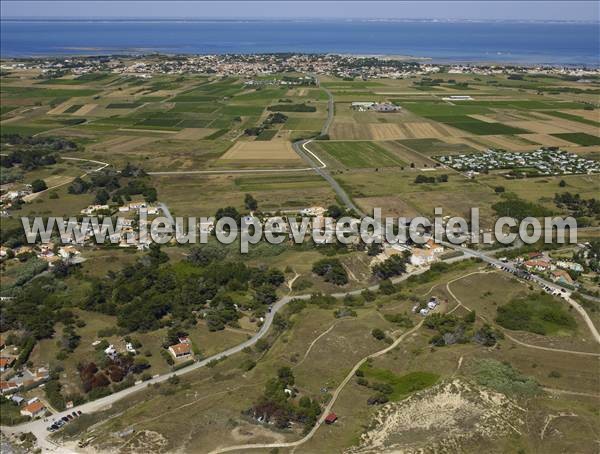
<point x="526" y="43"/>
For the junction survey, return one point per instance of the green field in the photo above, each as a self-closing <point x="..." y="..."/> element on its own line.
<point x="579" y="138"/>
<point x="361" y="154"/>
<point x="474" y="126"/>
<point x="402" y="385"/>
<point x="267" y="134"/>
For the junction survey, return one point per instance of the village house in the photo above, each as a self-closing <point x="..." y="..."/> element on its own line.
<point x="8" y="386"/>
<point x="68" y="251"/>
<point x="561" y="277"/>
<point x="181" y="350"/>
<point x="539" y="265"/>
<point x="34" y="409"/>
<point x="422" y="257"/>
<point x="434" y="247"/>
<point x="111" y="352"/>
<point x="6" y="362"/>
<point x="17" y="399"/>
<point x="331" y="418"/>
<point x="93" y="209"/>
<point x="573" y="266"/>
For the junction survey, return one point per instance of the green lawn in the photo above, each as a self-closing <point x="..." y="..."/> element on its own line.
<point x="267" y="134"/>
<point x="361" y="154"/>
<point x="401" y="384"/>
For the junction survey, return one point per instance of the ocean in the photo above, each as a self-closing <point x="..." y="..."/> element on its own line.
<point x="505" y="42"/>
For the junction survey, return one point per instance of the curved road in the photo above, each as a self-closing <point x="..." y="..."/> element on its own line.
<point x="38" y="426"/>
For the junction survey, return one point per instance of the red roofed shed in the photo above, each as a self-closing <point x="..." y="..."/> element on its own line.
<point x="331" y="418"/>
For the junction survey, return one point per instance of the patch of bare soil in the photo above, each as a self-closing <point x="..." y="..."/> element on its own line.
<point x="145" y="441"/>
<point x="441" y="419"/>
<point x="256" y="434"/>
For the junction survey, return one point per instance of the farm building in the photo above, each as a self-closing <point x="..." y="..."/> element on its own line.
<point x="180" y="350"/>
<point x="458" y="98"/>
<point x="331" y="418"/>
<point x="34" y="409"/>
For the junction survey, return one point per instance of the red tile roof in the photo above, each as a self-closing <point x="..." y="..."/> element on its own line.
<point x="181" y="349"/>
<point x="34" y="407"/>
<point x="331" y="417"/>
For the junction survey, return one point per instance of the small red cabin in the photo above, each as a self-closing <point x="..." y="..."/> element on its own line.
<point x="331" y="418"/>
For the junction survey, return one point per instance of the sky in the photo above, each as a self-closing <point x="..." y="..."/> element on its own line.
<point x="366" y="9"/>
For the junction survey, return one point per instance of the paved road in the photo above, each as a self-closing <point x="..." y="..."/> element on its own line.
<point x="32" y="196"/>
<point x="38" y="427"/>
<point x="538" y="280"/>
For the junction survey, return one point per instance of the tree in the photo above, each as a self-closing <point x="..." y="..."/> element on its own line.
<point x="286" y="376"/>
<point x="332" y="270"/>
<point x="102" y="197"/>
<point x="562" y="183"/>
<point x="334" y="211"/>
<point x="378" y="334"/>
<point x="38" y="185"/>
<point x="393" y="266"/>
<point x="374" y="249"/>
<point x="499" y="189"/>
<point x="228" y="212"/>
<point x="250" y="202"/>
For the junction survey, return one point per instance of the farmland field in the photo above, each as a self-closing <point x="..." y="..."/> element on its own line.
<point x="361" y="154"/>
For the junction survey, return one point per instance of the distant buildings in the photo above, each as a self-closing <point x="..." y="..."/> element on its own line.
<point x="363" y="106"/>
<point x="544" y="161"/>
<point x="458" y="98"/>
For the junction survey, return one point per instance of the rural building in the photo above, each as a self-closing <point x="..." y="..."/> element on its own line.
<point x="385" y="107"/>
<point x="422" y="257"/>
<point x="562" y="277"/>
<point x="331" y="418"/>
<point x="573" y="266"/>
<point x="33" y="409"/>
<point x="458" y="98"/>
<point x="362" y="105"/>
<point x="17" y="399"/>
<point x="6" y="362"/>
<point x="434" y="247"/>
<point x="8" y="386"/>
<point x="180" y="350"/>
<point x="111" y="351"/>
<point x="539" y="265"/>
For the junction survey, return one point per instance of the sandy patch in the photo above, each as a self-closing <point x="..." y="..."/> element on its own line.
<point x="194" y="133"/>
<point x="256" y="434"/>
<point x="441" y="419"/>
<point x="273" y="150"/>
<point x="85" y="109"/>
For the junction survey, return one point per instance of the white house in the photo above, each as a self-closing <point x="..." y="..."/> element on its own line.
<point x="111" y="351"/>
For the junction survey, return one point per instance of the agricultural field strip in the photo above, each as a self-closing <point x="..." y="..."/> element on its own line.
<point x="322" y="165"/>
